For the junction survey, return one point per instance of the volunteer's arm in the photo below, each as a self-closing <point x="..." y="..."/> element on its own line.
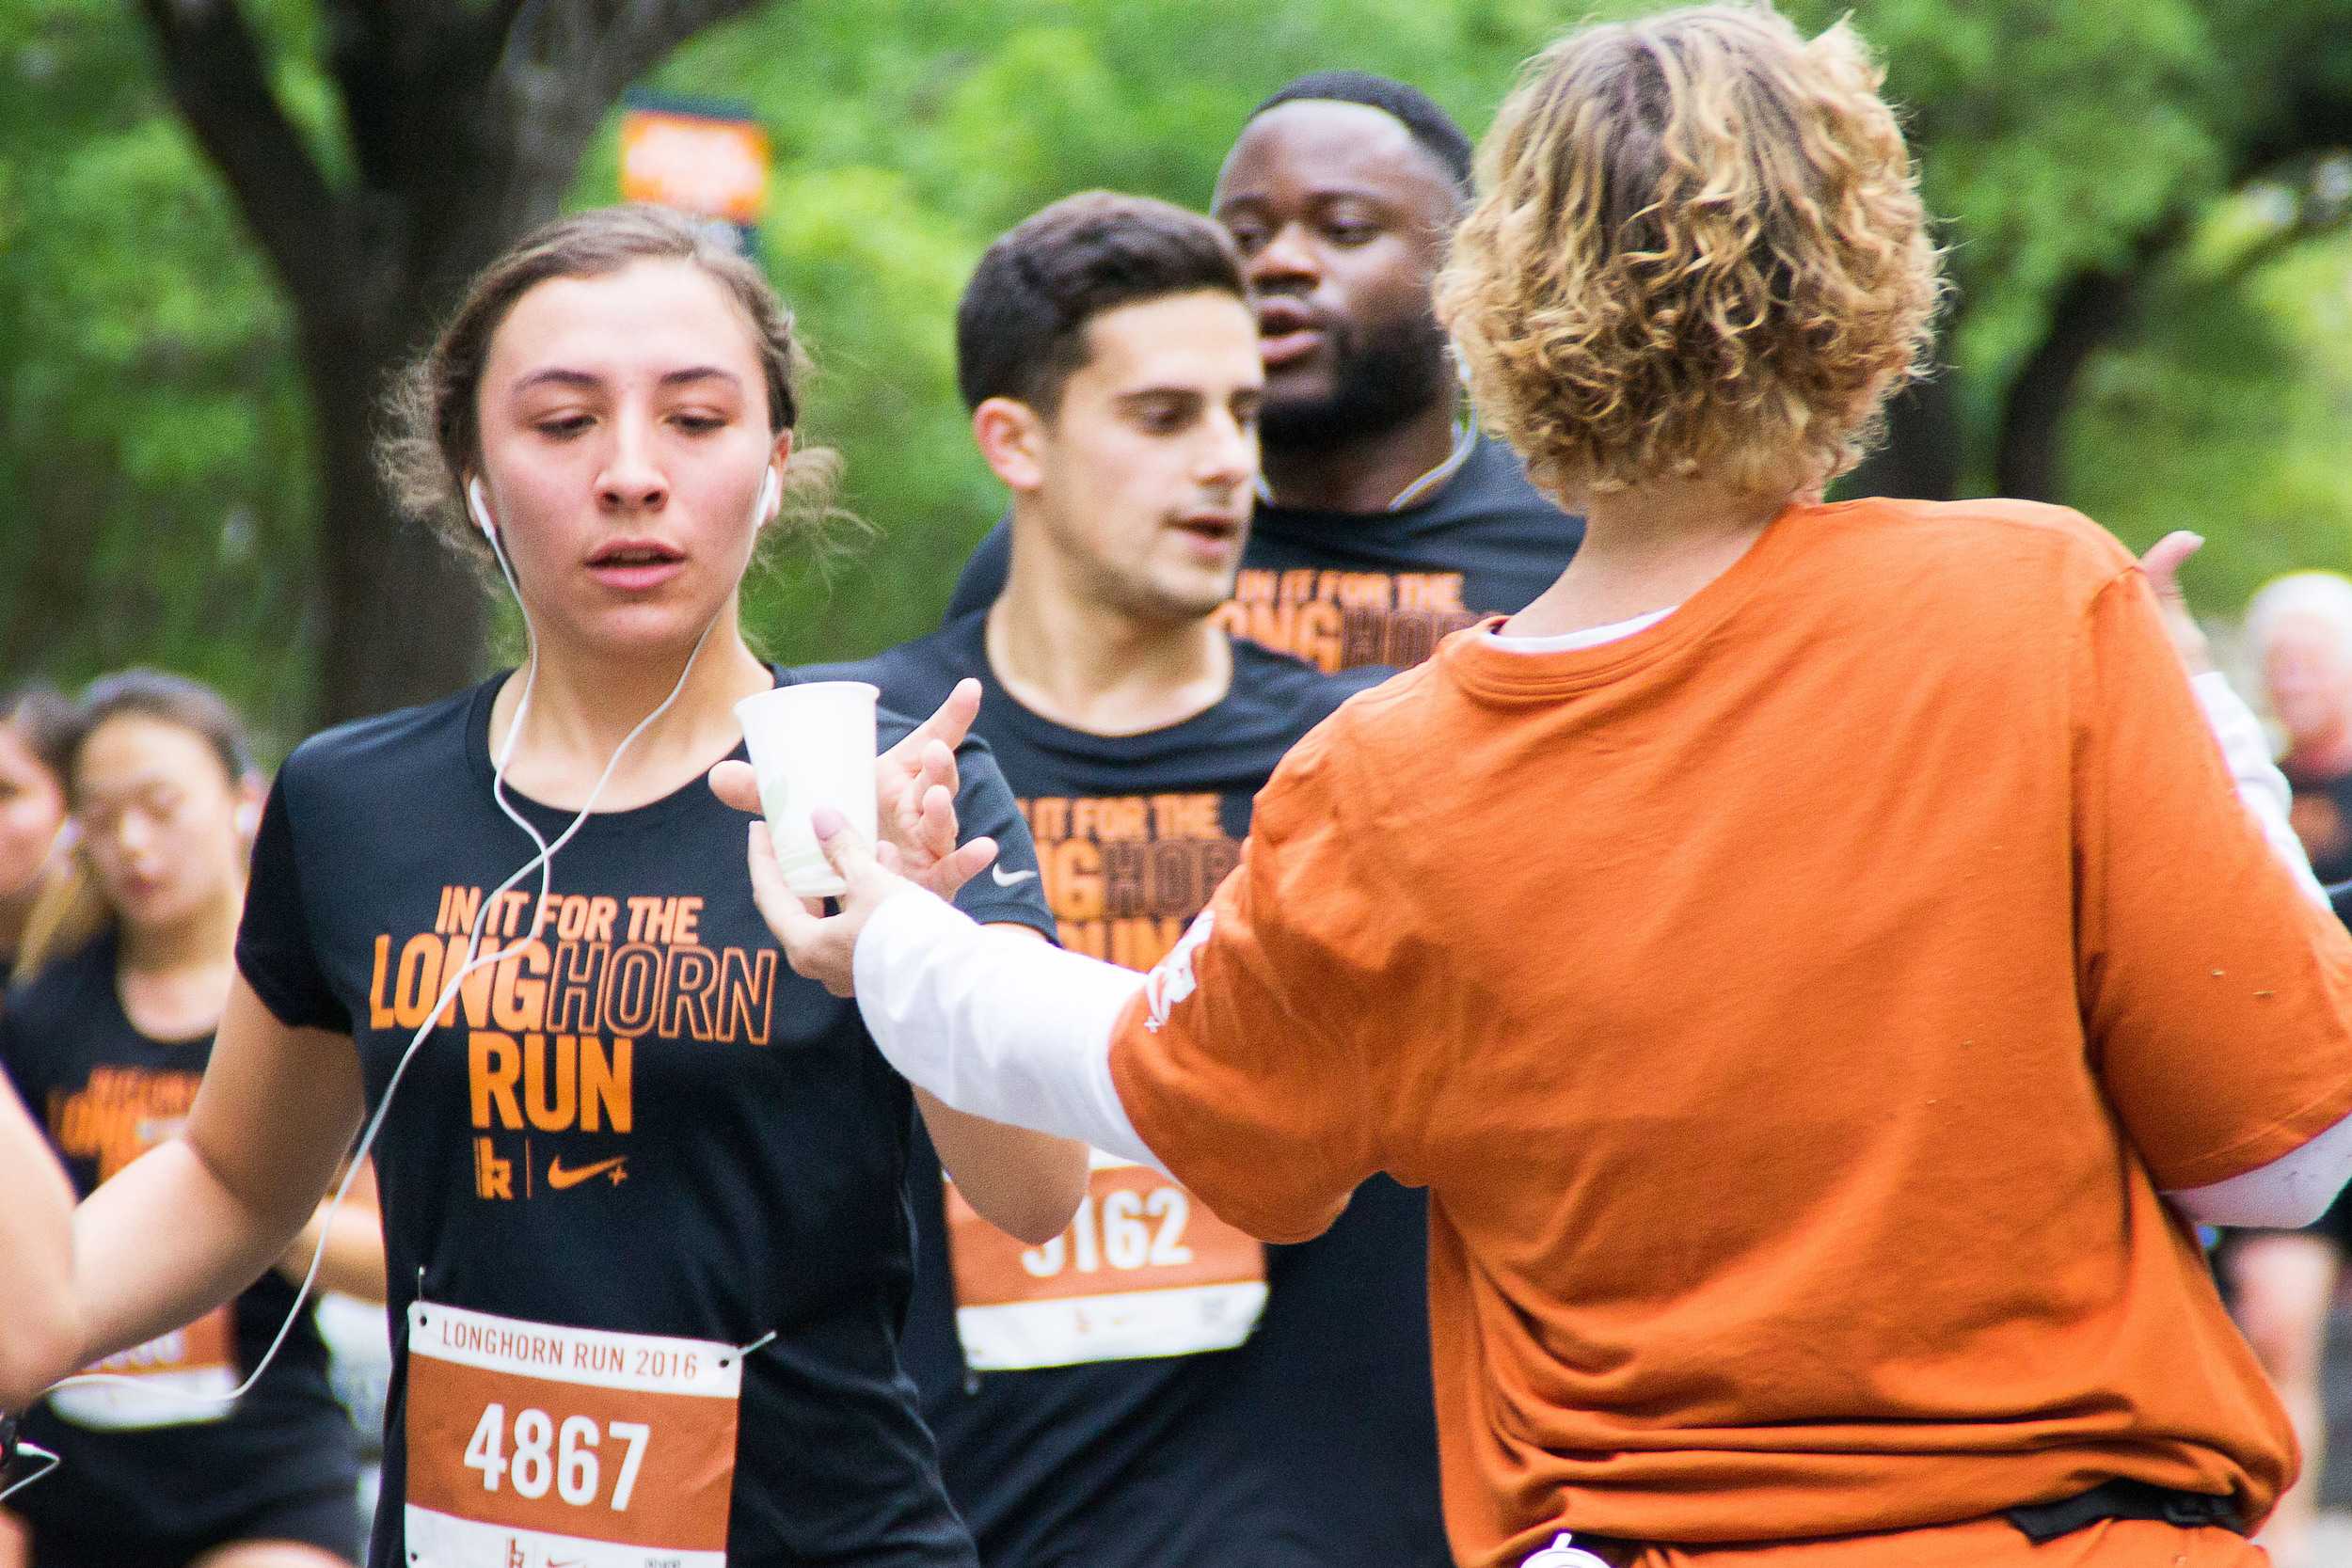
<point x="36" y="1260"/>
<point x="2261" y="790"/>
<point x="2296" y="1188"/>
<point x="2291" y="1192"/>
<point x="985" y="1019"/>
<point x="2216" y="989"/>
<point x="190" y="1223"/>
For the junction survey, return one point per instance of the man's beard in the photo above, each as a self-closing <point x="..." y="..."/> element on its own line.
<point x="1381" y="378"/>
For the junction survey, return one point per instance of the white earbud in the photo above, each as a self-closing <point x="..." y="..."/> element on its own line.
<point x="769" y="490"/>
<point x="248" y="819"/>
<point x="479" y="509"/>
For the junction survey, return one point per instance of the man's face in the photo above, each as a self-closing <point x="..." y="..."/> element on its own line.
<point x="1144" y="473"/>
<point x="1341" y="219"/>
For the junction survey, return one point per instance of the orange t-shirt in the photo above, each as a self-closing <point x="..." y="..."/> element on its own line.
<point x="1793" y="1011"/>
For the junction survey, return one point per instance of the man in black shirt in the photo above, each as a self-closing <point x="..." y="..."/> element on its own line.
<point x="1385" y="520"/>
<point x="1154" y="1387"/>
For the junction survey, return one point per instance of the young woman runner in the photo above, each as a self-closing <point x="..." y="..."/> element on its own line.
<point x="643" y="1188"/>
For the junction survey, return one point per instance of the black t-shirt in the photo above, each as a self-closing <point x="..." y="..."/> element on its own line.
<point x="1311" y="1445"/>
<point x="644" y="1122"/>
<point x="1344" y="589"/>
<point x="106" y="1093"/>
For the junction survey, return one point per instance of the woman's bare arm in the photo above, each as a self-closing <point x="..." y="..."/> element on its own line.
<point x="193" y="1221"/>
<point x="35" y="1259"/>
<point x="1025" y="1184"/>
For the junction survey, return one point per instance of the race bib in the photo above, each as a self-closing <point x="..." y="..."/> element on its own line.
<point x="1145" y="1270"/>
<point x="532" y="1445"/>
<point x="179" y="1379"/>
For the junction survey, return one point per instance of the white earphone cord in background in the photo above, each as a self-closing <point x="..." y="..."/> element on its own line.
<point x="542" y="860"/>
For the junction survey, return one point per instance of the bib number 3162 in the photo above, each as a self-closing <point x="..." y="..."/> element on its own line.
<point x="532" y="1445"/>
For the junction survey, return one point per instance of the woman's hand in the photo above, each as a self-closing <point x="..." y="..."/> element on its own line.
<point x="915" y="798"/>
<point x="822" y="947"/>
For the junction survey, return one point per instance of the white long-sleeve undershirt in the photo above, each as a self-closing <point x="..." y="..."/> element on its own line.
<point x="995" y="1023"/>
<point x="1004" y="1027"/>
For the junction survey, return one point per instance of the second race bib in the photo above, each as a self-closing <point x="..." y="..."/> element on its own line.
<point x="178" y="1379"/>
<point x="1144" y="1270"/>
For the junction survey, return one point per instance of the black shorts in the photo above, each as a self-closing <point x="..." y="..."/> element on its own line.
<point x="329" y="1520"/>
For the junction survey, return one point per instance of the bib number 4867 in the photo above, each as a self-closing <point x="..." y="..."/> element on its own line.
<point x="567" y="1458"/>
<point x="532" y="1444"/>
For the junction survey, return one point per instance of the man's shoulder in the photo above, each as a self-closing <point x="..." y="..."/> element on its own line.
<point x="1492" y="483"/>
<point x="915" y="676"/>
<point x="1296" y="696"/>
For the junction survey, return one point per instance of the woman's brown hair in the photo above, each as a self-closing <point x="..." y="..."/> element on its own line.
<point x="433" y="440"/>
<point x="1698" y="249"/>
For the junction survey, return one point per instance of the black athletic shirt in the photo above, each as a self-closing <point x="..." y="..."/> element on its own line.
<point x="1313" y="1445"/>
<point x="654" y="1128"/>
<point x="106" y="1093"/>
<point x="1343" y="589"/>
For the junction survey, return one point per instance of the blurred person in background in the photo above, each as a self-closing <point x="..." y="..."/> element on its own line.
<point x="109" y="1041"/>
<point x="35" y="730"/>
<point x="1386" y="517"/>
<point x="1154" y="1387"/>
<point x="2284" y="1284"/>
<point x="1813" y="954"/>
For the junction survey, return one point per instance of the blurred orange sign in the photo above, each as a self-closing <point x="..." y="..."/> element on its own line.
<point x="697" y="163"/>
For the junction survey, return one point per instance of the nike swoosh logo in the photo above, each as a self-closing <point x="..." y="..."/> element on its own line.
<point x="1013" y="880"/>
<point x="560" y="1178"/>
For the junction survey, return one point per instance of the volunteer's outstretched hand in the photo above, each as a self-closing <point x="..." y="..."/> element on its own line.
<point x="818" y="946"/>
<point x="915" y="793"/>
<point x="2163" y="565"/>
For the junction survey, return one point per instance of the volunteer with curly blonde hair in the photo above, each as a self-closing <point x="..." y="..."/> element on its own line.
<point x="1812" y="954"/>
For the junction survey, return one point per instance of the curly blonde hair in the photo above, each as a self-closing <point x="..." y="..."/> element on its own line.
<point x="432" y="437"/>
<point x="1698" y="249"/>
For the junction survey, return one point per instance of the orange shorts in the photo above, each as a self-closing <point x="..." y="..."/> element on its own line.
<point x="1982" y="1543"/>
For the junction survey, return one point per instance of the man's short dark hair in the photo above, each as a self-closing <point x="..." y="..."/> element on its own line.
<point x="1021" y="328"/>
<point x="1432" y="127"/>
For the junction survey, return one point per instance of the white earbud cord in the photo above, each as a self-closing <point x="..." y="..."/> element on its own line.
<point x="542" y="863"/>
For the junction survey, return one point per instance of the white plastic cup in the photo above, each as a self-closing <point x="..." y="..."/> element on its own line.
<point x="812" y="744"/>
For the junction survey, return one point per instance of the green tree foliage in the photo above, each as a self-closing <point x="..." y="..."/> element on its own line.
<point x="152" y="467"/>
<point x="152" y="441"/>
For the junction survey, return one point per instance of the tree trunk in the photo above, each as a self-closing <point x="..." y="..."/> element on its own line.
<point x="466" y="124"/>
<point x="2029" y="452"/>
<point x="407" y="618"/>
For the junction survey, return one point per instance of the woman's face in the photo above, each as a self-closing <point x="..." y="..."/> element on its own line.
<point x="625" y="437"/>
<point x="32" y="809"/>
<point x="158" y="813"/>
